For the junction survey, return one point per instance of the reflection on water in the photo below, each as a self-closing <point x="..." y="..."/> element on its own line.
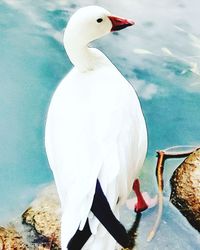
<point x="161" y="53"/>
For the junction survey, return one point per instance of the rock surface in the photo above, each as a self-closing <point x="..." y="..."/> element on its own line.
<point x="10" y="239"/>
<point x="43" y="218"/>
<point x="185" y="184"/>
<point x="39" y="226"/>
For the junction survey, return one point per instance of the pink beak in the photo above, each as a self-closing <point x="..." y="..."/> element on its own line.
<point x="119" y="23"/>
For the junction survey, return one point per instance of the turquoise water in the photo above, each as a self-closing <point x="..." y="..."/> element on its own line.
<point x="162" y="58"/>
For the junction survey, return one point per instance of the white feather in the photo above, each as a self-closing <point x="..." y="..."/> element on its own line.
<point x="95" y="129"/>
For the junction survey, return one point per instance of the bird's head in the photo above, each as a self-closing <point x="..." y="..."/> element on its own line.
<point x="90" y="23"/>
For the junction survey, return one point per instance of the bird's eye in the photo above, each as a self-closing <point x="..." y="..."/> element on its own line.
<point x="99" y="20"/>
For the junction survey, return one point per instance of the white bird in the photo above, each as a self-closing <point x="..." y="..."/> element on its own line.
<point x="95" y="128"/>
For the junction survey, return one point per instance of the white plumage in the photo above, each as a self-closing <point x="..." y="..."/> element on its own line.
<point x="95" y="129"/>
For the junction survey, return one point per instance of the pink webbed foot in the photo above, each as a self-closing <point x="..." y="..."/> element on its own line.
<point x="141" y="204"/>
<point x="151" y="202"/>
<point x="142" y="201"/>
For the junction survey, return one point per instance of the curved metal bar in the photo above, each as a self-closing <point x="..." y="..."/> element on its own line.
<point x="172" y="152"/>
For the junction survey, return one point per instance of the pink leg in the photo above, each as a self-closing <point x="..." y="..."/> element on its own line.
<point x="141" y="204"/>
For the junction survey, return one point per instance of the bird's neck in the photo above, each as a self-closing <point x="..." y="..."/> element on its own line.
<point x="82" y="57"/>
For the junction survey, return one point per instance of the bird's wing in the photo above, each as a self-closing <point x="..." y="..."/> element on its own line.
<point x="87" y="125"/>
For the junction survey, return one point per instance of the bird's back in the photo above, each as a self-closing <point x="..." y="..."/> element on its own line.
<point x="95" y="129"/>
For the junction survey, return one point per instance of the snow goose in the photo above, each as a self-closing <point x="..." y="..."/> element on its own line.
<point x="95" y="129"/>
